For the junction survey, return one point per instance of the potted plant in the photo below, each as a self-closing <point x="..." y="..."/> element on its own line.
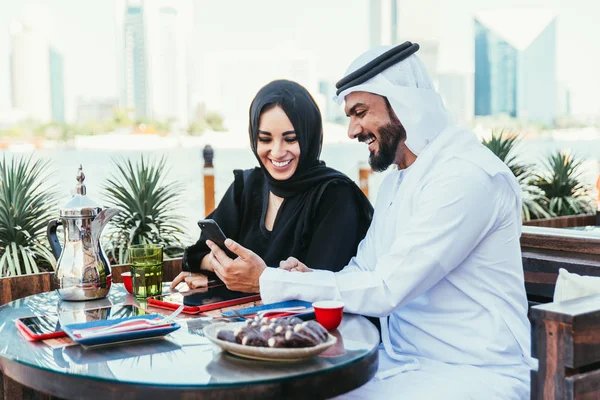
<point x="26" y="205"/>
<point x="146" y="201"/>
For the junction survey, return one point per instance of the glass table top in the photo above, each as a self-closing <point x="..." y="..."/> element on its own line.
<point x="184" y="358"/>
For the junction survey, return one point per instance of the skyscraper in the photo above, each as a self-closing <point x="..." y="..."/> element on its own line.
<point x="30" y="72"/>
<point x="134" y="84"/>
<point x="153" y="39"/>
<point x="515" y="64"/>
<point x="383" y="22"/>
<point x="57" y="85"/>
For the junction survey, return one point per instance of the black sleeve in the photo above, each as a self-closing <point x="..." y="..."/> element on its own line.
<point x="227" y="216"/>
<point x="340" y="224"/>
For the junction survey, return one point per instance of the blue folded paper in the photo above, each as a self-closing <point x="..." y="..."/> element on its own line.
<point x="114" y="338"/>
<point x="272" y="306"/>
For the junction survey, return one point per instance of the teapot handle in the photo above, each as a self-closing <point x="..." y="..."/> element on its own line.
<point x="53" y="238"/>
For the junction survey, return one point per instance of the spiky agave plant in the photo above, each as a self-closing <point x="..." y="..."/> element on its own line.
<point x="26" y="206"/>
<point x="561" y="183"/>
<point x="147" y="205"/>
<point x="503" y="144"/>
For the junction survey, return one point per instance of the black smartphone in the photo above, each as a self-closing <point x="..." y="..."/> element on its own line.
<point x="213" y="232"/>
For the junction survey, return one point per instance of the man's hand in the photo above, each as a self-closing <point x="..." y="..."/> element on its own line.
<point x="241" y="274"/>
<point x="293" y="265"/>
<point x="193" y="280"/>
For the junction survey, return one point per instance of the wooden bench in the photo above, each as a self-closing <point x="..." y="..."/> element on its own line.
<point x="566" y="335"/>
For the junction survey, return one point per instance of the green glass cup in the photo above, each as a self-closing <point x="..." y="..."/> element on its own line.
<point x="146" y="269"/>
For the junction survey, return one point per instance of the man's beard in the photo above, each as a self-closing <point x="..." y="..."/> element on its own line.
<point x="388" y="140"/>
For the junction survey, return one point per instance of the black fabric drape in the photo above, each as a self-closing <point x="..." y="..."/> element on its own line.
<point x="324" y="237"/>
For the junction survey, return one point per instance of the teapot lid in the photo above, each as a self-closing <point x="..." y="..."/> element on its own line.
<point x="80" y="205"/>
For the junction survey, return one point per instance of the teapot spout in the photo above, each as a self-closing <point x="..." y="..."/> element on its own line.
<point x="101" y="221"/>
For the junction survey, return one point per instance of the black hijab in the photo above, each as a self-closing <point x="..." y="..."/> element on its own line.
<point x="303" y="190"/>
<point x="304" y="114"/>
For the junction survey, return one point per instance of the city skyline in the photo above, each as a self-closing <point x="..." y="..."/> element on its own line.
<point x="515" y="68"/>
<point x="152" y="44"/>
<point x="338" y="33"/>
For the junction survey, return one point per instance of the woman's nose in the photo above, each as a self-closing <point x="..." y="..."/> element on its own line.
<point x="278" y="149"/>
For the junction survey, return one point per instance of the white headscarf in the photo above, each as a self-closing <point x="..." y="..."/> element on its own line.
<point x="411" y="94"/>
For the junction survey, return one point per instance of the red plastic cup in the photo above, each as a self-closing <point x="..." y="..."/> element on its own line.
<point x="329" y="313"/>
<point x="126" y="276"/>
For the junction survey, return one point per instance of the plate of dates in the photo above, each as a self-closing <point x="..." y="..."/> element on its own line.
<point x="276" y="339"/>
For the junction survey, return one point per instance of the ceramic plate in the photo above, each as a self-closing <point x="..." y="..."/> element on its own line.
<point x="264" y="353"/>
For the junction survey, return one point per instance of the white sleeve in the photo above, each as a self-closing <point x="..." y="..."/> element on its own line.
<point x="454" y="212"/>
<point x="279" y="285"/>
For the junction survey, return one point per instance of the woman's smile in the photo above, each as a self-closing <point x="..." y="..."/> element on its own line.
<point x="281" y="165"/>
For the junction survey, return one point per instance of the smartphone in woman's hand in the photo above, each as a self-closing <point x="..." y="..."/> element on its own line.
<point x="213" y="232"/>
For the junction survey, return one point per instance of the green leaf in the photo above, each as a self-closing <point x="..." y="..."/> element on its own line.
<point x="139" y="190"/>
<point x="534" y="202"/>
<point x="24" y="255"/>
<point x="12" y="271"/>
<point x="560" y="181"/>
<point x="15" y="256"/>
<point x="28" y="201"/>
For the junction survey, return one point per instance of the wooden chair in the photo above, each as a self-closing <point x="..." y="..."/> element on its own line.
<point x="13" y="288"/>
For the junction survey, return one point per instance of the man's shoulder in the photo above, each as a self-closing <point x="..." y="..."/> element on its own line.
<point x="461" y="176"/>
<point x="460" y="170"/>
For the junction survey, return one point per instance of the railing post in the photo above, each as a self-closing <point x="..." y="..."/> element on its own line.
<point x="598" y="201"/>
<point x="364" y="170"/>
<point x="209" y="179"/>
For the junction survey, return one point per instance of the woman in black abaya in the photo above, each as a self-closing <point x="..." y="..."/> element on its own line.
<point x="293" y="205"/>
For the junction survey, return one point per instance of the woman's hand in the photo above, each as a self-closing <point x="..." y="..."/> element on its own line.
<point x="193" y="280"/>
<point x="293" y="265"/>
<point x="209" y="262"/>
<point x="241" y="274"/>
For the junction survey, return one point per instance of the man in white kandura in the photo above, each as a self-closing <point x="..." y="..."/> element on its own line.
<point x="441" y="262"/>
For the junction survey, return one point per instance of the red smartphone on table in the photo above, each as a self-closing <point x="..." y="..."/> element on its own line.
<point x="42" y="327"/>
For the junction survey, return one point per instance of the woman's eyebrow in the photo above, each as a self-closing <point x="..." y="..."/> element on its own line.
<point x="288" y="133"/>
<point x="264" y="133"/>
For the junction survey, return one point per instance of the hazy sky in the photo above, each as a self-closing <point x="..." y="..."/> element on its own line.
<point x="336" y="30"/>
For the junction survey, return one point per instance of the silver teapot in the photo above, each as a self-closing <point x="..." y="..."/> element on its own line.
<point x="82" y="271"/>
